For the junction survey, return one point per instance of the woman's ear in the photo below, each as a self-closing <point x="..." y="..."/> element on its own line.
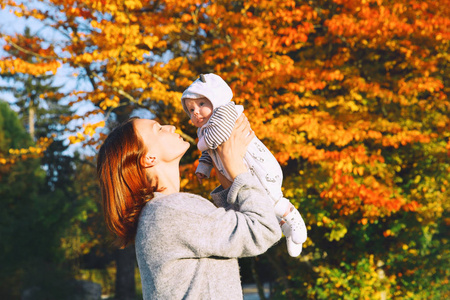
<point x="148" y="161"/>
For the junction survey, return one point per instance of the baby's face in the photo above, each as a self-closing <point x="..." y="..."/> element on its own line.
<point x="199" y="110"/>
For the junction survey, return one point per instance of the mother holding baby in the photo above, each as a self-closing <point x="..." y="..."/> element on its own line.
<point x="187" y="247"/>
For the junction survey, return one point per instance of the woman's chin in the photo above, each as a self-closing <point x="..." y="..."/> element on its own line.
<point x="187" y="145"/>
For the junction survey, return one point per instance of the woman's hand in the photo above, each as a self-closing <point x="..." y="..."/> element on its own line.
<point x="232" y="151"/>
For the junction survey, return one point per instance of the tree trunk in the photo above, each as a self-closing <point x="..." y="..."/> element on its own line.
<point x="259" y="284"/>
<point x="125" y="282"/>
<point x="31" y="121"/>
<point x="276" y="264"/>
<point x="381" y="277"/>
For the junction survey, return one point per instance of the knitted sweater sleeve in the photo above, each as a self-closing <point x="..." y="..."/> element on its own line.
<point x="194" y="227"/>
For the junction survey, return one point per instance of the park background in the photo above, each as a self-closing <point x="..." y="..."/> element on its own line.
<point x="351" y="96"/>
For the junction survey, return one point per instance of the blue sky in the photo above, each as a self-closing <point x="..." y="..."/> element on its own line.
<point x="10" y="24"/>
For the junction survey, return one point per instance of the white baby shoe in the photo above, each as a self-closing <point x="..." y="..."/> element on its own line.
<point x="286" y="211"/>
<point x="297" y="225"/>
<point x="292" y="225"/>
<point x="294" y="249"/>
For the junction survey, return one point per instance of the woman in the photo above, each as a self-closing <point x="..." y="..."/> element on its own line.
<point x="186" y="247"/>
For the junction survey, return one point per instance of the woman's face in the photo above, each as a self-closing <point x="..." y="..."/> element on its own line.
<point x="161" y="140"/>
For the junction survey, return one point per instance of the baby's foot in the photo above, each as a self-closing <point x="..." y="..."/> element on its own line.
<point x="297" y="225"/>
<point x="294" y="249"/>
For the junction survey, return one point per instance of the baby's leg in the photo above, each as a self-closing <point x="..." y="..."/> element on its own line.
<point x="265" y="167"/>
<point x="269" y="173"/>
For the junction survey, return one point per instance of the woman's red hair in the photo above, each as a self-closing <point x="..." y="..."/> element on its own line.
<point x="124" y="184"/>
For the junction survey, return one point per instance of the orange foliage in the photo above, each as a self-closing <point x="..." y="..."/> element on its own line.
<point x="15" y="155"/>
<point x="340" y="86"/>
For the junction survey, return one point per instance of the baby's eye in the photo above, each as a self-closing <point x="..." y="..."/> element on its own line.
<point x="202" y="103"/>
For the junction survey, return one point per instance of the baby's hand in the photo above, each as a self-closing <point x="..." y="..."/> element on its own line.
<point x="200" y="177"/>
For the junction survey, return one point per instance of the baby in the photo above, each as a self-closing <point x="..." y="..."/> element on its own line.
<point x="208" y="103"/>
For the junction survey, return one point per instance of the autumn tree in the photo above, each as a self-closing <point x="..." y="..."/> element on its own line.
<point x="350" y="95"/>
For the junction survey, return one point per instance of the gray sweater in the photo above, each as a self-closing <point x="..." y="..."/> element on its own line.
<point x="187" y="248"/>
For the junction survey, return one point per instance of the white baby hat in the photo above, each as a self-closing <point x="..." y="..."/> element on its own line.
<point x="210" y="86"/>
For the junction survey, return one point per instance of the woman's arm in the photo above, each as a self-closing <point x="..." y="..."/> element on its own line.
<point x="230" y="153"/>
<point x="233" y="150"/>
<point x="186" y="226"/>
